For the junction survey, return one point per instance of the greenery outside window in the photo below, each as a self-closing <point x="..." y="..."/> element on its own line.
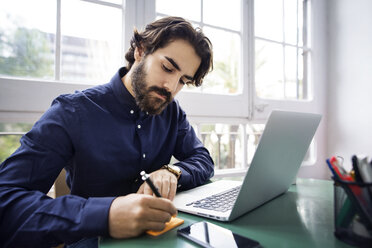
<point x="10" y="133"/>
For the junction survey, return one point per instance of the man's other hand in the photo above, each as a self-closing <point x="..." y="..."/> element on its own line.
<point x="165" y="181"/>
<point x="131" y="215"/>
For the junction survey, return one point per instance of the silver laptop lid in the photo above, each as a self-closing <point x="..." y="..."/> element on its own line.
<point x="281" y="150"/>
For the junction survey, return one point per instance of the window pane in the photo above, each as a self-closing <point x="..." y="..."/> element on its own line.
<point x="301" y="27"/>
<point x="268" y="18"/>
<point x="304" y="92"/>
<point x="189" y="9"/>
<point x="27" y="34"/>
<point x="278" y="77"/>
<point x="224" y="79"/>
<point x="269" y="70"/>
<point x="295" y="83"/>
<point x="91" y="41"/>
<point x="290" y="21"/>
<point x="10" y="133"/>
<point x="224" y="142"/>
<point x="223" y="13"/>
<point x="291" y="91"/>
<point x="254" y="132"/>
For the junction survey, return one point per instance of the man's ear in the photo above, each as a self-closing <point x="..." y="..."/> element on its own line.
<point x="139" y="53"/>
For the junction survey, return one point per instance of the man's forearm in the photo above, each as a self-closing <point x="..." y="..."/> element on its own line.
<point x="30" y="218"/>
<point x="196" y="170"/>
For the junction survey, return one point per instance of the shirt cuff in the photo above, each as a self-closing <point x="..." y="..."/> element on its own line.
<point x="184" y="178"/>
<point x="95" y="216"/>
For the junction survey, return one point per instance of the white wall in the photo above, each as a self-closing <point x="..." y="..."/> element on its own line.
<point x="349" y="78"/>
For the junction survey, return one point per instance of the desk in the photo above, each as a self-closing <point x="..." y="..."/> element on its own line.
<point x="303" y="217"/>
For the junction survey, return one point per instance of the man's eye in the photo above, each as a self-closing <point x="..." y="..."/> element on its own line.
<point x="166" y="69"/>
<point x="188" y="82"/>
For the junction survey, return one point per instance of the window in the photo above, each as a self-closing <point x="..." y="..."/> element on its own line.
<point x="90" y="42"/>
<point x="70" y="40"/>
<point x="282" y="49"/>
<point x="276" y="31"/>
<point x="27" y="38"/>
<point x="262" y="61"/>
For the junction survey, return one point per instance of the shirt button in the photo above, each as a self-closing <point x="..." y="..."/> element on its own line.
<point x="139" y="126"/>
<point x="132" y="111"/>
<point x="144" y="155"/>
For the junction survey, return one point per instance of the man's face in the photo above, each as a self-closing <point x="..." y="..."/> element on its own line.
<point x="159" y="76"/>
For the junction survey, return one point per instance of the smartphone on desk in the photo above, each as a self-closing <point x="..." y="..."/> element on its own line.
<point x="210" y="235"/>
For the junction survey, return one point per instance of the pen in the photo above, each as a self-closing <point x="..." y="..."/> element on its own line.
<point x="339" y="170"/>
<point x="355" y="164"/>
<point x="331" y="169"/>
<point x="146" y="178"/>
<point x="365" y="171"/>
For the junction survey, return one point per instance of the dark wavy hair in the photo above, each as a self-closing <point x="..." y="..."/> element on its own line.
<point x="160" y="33"/>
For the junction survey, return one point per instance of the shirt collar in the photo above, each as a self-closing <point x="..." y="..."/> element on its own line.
<point x="120" y="91"/>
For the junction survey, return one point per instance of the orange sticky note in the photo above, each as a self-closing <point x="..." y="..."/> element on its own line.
<point x="174" y="222"/>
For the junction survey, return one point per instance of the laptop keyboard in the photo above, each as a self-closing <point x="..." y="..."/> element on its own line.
<point x="219" y="202"/>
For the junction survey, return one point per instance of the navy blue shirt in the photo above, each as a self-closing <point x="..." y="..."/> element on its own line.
<point x="104" y="141"/>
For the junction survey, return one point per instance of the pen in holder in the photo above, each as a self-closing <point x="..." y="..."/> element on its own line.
<point x="353" y="212"/>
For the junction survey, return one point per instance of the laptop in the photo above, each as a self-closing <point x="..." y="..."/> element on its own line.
<point x="278" y="157"/>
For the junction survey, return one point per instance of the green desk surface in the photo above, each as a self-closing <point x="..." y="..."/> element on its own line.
<point x="302" y="217"/>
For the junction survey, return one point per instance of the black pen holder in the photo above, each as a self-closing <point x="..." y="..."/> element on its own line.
<point x="353" y="212"/>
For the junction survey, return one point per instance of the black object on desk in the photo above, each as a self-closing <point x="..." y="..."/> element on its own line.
<point x="210" y="235"/>
<point x="352" y="201"/>
<point x="353" y="213"/>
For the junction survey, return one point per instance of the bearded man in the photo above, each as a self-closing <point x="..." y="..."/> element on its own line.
<point x="104" y="137"/>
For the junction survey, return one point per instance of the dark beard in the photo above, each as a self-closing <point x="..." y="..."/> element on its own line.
<point x="142" y="93"/>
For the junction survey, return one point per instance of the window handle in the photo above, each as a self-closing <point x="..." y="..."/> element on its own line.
<point x="260" y="107"/>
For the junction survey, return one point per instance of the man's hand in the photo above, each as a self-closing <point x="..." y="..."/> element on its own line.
<point x="165" y="181"/>
<point x="131" y="215"/>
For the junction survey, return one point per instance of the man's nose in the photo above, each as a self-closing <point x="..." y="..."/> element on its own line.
<point x="171" y="84"/>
